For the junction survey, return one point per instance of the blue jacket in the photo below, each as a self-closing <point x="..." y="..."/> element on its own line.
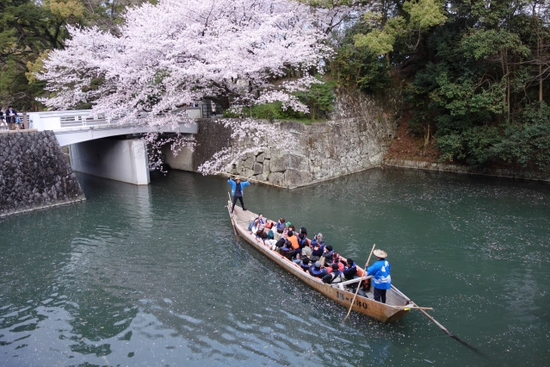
<point x="319" y="273"/>
<point x="318" y="252"/>
<point x="381" y="271"/>
<point x="350" y="272"/>
<point x="234" y="186"/>
<point x="302" y="240"/>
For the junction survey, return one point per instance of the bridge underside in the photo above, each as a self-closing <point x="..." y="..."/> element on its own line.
<point x="123" y="160"/>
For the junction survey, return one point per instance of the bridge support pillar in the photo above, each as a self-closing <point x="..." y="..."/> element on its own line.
<point x="183" y="161"/>
<point x="122" y="160"/>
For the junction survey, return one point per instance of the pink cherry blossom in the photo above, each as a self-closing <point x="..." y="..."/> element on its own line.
<point x="169" y="55"/>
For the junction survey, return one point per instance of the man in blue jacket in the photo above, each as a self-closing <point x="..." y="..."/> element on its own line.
<point x="380" y="271"/>
<point x="237" y="190"/>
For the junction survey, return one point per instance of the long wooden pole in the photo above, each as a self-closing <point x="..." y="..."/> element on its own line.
<point x="446" y="331"/>
<point x="359" y="285"/>
<point x="231" y="214"/>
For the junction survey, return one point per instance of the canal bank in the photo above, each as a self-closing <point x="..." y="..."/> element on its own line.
<point x="523" y="174"/>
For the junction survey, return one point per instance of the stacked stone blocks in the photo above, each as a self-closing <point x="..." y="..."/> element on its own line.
<point x="34" y="173"/>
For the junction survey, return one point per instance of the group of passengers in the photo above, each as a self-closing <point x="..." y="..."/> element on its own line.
<point x="312" y="255"/>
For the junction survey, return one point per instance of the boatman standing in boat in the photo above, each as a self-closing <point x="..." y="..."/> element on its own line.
<point x="237" y="190"/>
<point x="380" y="271"/>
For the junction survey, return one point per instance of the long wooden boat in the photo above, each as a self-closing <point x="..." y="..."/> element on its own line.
<point x="397" y="304"/>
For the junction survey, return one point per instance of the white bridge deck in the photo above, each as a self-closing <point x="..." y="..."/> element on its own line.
<point x="77" y="126"/>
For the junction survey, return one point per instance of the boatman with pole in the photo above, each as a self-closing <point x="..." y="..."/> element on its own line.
<point x="380" y="271"/>
<point x="237" y="190"/>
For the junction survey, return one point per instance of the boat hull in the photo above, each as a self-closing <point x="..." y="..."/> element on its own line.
<point x="390" y="312"/>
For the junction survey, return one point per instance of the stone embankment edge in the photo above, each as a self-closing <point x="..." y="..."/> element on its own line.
<point x="43" y="207"/>
<point x="455" y="168"/>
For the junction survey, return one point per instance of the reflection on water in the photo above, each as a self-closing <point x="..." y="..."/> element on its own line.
<point x="153" y="276"/>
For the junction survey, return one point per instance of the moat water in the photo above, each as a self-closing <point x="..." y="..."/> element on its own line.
<point x="153" y="276"/>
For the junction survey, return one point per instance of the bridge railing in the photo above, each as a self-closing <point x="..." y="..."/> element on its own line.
<point x="82" y="119"/>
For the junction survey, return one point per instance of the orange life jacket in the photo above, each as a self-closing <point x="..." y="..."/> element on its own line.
<point x="294" y="242"/>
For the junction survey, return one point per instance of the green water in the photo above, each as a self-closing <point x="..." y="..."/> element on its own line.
<point x="153" y="276"/>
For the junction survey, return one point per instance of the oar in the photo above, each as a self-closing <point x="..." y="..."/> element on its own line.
<point x="231" y="215"/>
<point x="415" y="307"/>
<point x="359" y="285"/>
<point x="446" y="331"/>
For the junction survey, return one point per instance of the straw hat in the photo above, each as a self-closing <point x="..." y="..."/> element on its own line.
<point x="380" y="254"/>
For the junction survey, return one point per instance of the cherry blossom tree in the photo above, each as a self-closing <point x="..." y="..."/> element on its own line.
<point x="169" y="55"/>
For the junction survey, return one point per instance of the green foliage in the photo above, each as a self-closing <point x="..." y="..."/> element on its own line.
<point x="378" y="42"/>
<point x="473" y="146"/>
<point x="28" y="29"/>
<point x="424" y="14"/>
<point x="400" y="26"/>
<point x="269" y="111"/>
<point x="359" y="67"/>
<point x="319" y="99"/>
<point x="525" y="143"/>
<point x="483" y="44"/>
<point x="478" y="86"/>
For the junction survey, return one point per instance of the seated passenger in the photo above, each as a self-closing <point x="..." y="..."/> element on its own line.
<point x="340" y="265"/>
<point x="281" y="224"/>
<point x="305" y="264"/>
<point x="286" y="250"/>
<point x="293" y="241"/>
<point x="270" y="243"/>
<point x="257" y="223"/>
<point x="307" y="251"/>
<point x="317" y="270"/>
<point x="319" y="238"/>
<point x="302" y="238"/>
<point x="350" y="271"/>
<point x="365" y="284"/>
<point x="280" y="243"/>
<point x="335" y="276"/>
<point x="329" y="255"/>
<point x="318" y="247"/>
<point x="265" y="234"/>
<point x="285" y="231"/>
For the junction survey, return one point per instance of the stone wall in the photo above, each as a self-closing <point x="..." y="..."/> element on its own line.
<point x="327" y="150"/>
<point x="211" y="138"/>
<point x="34" y="173"/>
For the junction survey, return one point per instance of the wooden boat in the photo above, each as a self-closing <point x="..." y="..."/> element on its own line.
<point x="397" y="304"/>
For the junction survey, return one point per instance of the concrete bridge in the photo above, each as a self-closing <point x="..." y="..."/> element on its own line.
<point x="105" y="148"/>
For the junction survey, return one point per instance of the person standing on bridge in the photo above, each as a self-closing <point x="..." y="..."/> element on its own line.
<point x="237" y="190"/>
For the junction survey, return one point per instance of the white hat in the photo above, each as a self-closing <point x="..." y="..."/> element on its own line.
<point x="380" y="254"/>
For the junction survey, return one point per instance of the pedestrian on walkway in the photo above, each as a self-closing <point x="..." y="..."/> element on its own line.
<point x="2" y="121"/>
<point x="11" y="117"/>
